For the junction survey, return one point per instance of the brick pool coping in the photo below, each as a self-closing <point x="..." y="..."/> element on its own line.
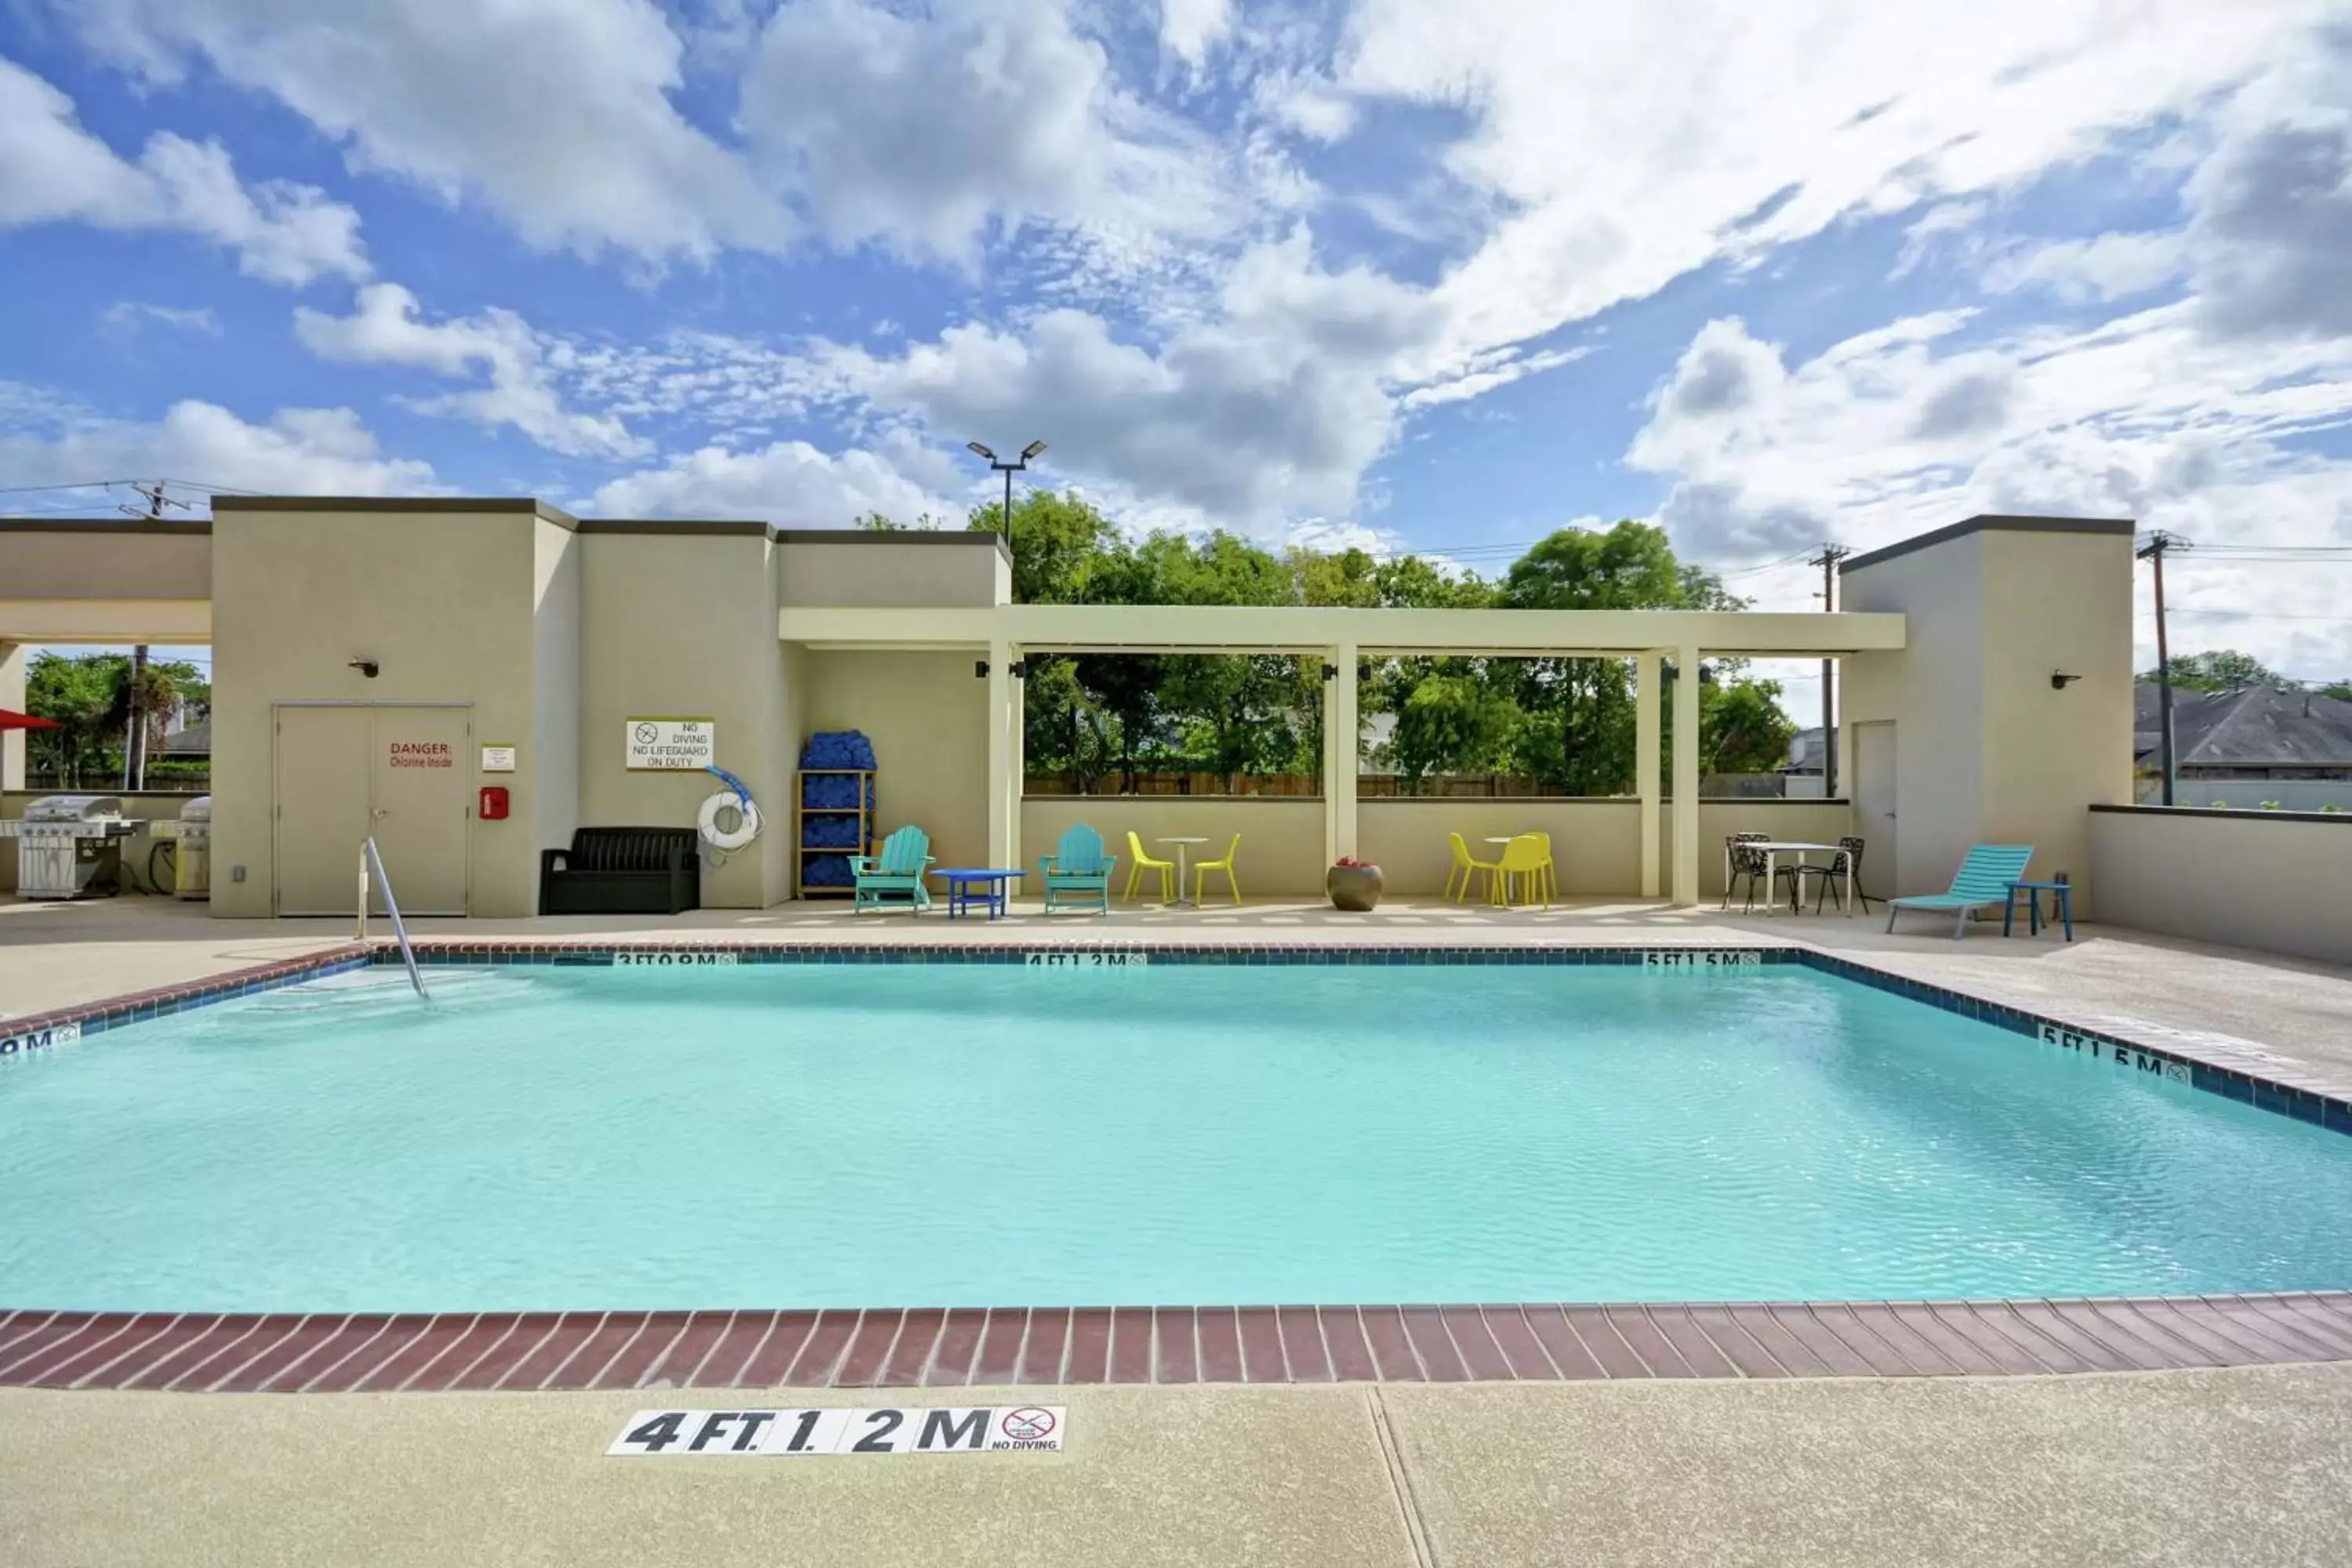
<point x="936" y="1347"/>
<point x="882" y="1348"/>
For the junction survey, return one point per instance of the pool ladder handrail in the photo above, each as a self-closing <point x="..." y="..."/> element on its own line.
<point x="369" y="857"/>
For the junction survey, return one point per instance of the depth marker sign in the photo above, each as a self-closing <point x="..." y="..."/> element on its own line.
<point x="792" y="1434"/>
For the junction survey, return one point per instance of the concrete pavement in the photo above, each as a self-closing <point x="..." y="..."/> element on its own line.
<point x="2249" y="1468"/>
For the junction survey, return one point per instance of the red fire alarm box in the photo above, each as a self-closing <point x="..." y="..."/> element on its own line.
<point x="494" y="804"/>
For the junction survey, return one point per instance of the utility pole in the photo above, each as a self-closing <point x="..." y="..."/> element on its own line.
<point x="134" y="743"/>
<point x="1828" y="562"/>
<point x="2153" y="552"/>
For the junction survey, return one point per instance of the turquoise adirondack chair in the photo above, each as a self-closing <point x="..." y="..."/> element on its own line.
<point x="895" y="874"/>
<point x="1078" y="873"/>
<point x="1981" y="882"/>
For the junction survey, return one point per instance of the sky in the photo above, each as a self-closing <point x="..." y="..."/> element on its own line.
<point x="1429" y="274"/>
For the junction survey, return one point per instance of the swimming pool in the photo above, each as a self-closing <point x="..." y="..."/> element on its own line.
<point x="821" y="1135"/>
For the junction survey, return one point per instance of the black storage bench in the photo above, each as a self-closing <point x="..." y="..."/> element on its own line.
<point x="623" y="872"/>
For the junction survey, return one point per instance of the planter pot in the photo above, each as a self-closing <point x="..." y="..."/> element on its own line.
<point x="1353" y="887"/>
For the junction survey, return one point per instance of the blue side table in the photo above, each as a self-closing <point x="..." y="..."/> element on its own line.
<point x="2033" y="891"/>
<point x="987" y="886"/>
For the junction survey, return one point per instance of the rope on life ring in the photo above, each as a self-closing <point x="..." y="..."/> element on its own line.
<point x="737" y="797"/>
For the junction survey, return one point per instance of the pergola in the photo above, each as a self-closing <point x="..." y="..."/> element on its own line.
<point x="1001" y="636"/>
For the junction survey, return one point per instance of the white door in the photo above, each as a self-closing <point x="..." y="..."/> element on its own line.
<point x="1873" y="766"/>
<point x="322" y="784"/>
<point x="421" y="800"/>
<point x="404" y="774"/>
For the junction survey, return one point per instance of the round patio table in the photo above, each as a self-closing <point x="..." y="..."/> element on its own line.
<point x="1183" y="848"/>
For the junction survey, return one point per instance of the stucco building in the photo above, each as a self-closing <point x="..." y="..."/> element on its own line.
<point x="379" y="663"/>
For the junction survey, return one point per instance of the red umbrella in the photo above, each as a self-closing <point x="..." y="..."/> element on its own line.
<point x="10" y="720"/>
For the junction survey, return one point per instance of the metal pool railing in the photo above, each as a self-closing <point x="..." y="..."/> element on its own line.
<point x="369" y="860"/>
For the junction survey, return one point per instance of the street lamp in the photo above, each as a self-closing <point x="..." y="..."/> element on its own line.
<point x="1034" y="449"/>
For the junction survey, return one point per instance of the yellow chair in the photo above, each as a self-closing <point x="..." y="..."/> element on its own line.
<point x="1139" y="863"/>
<point x="1551" y="871"/>
<point x="1466" y="867"/>
<point x="1201" y="869"/>
<point x="1527" y="857"/>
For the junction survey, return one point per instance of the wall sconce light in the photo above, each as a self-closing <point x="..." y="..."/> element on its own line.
<point x="1330" y="673"/>
<point x="1020" y="668"/>
<point x="366" y="667"/>
<point x="979" y="670"/>
<point x="2059" y="679"/>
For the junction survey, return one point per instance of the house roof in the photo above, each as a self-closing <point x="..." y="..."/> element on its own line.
<point x="194" y="741"/>
<point x="2255" y="726"/>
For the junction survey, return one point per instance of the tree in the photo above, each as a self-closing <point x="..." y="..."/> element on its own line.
<point x="1741" y="729"/>
<point x="1586" y="748"/>
<point x="2223" y="670"/>
<point x="2340" y="690"/>
<point x="1453" y="723"/>
<point x="89" y="697"/>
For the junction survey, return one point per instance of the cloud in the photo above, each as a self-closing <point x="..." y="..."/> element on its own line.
<point x="2103" y="267"/>
<point x="790" y="483"/>
<point x="2271" y="229"/>
<point x="1623" y="156"/>
<point x="54" y="171"/>
<point x="554" y="114"/>
<point x="1971" y="402"/>
<point x="1271" y="408"/>
<point x="384" y="328"/>
<point x="297" y="451"/>
<point x="124" y="320"/>
<point x="1188" y="28"/>
<point x="923" y="132"/>
<point x="1896" y="431"/>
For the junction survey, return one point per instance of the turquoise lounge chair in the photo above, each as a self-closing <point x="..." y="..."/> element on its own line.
<point x="1981" y="882"/>
<point x="1078" y="873"/>
<point x="895" y="874"/>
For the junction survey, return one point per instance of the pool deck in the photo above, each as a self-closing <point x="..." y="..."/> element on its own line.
<point x="1818" y="1434"/>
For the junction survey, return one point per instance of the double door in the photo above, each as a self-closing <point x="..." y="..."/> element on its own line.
<point x="402" y="774"/>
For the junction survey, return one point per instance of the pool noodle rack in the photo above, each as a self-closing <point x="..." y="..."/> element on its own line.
<point x="863" y="811"/>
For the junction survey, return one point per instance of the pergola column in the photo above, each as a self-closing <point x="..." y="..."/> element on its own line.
<point x="1647" y="672"/>
<point x="1686" y="877"/>
<point x="1003" y="757"/>
<point x="1339" y="739"/>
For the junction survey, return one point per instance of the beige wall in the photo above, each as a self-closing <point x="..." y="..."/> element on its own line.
<point x="555" y="655"/>
<point x="1595" y="844"/>
<point x="16" y="661"/>
<point x="1282" y="840"/>
<point x="927" y="715"/>
<point x="1986" y="750"/>
<point x="2056" y="601"/>
<point x="118" y="560"/>
<point x="1934" y="692"/>
<point x="682" y="625"/>
<point x="864" y="570"/>
<point x="443" y="600"/>
<point x="2258" y="879"/>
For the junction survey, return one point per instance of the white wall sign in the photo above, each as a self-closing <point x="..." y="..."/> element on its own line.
<point x="792" y="1434"/>
<point x="498" y="758"/>
<point x="658" y="745"/>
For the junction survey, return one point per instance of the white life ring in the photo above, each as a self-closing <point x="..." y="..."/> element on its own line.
<point x="746" y="829"/>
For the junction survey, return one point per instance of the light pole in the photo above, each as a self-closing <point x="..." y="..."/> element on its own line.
<point x="1034" y="449"/>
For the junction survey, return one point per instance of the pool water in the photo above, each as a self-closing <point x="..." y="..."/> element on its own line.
<point x="926" y="1135"/>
